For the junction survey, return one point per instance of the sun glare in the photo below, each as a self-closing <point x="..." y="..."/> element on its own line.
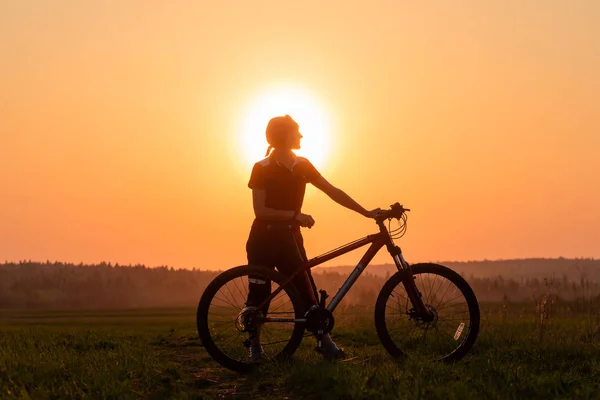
<point x="302" y="107"/>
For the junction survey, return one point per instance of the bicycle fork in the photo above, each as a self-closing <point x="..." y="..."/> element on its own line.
<point x="414" y="295"/>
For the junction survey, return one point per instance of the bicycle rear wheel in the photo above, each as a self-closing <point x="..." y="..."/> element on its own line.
<point x="224" y="321"/>
<point x="455" y="324"/>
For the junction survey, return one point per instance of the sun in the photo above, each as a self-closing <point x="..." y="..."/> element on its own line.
<point x="302" y="107"/>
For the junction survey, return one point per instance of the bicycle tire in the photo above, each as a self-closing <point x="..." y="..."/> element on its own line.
<point x="436" y="270"/>
<point x="204" y="330"/>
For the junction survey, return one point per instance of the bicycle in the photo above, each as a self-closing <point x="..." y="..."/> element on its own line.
<point x="411" y="317"/>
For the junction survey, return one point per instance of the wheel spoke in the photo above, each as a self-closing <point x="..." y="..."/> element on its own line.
<point x="452" y="298"/>
<point x="399" y="295"/>
<point x="431" y="286"/>
<point x="225" y="301"/>
<point x="239" y="291"/>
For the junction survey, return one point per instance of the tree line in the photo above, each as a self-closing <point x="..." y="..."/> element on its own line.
<point x="57" y="285"/>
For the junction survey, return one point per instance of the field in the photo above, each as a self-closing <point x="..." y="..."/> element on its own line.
<point x="523" y="352"/>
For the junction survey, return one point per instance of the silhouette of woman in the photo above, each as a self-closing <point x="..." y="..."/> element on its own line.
<point x="278" y="184"/>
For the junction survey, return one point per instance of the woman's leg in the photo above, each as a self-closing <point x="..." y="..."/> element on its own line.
<point x="292" y="256"/>
<point x="259" y="250"/>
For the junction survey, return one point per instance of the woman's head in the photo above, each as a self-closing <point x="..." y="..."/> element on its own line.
<point x="282" y="133"/>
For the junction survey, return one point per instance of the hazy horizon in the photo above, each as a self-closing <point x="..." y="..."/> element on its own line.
<point x="128" y="129"/>
<point x="67" y="286"/>
<point x="332" y="266"/>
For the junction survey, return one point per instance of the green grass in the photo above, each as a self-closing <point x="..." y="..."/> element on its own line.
<point x="155" y="354"/>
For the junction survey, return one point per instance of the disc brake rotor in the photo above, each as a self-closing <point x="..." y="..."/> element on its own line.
<point x="418" y="319"/>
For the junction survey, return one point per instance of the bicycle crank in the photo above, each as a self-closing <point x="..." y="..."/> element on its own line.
<point x="319" y="320"/>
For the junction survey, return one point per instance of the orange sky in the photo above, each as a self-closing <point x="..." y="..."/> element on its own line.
<point x="120" y="125"/>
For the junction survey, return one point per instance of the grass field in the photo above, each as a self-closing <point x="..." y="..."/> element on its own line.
<point x="155" y="353"/>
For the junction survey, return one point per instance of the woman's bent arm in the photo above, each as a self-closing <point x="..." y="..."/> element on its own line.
<point x="262" y="211"/>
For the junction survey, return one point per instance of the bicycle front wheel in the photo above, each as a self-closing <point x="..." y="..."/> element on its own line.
<point x="452" y="331"/>
<point x="227" y="326"/>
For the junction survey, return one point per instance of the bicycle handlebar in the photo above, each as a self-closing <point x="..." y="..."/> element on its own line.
<point x="396" y="211"/>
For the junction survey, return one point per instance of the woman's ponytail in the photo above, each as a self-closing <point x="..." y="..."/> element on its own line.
<point x="269" y="150"/>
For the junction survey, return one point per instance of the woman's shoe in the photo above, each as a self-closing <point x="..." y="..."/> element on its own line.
<point x="331" y="353"/>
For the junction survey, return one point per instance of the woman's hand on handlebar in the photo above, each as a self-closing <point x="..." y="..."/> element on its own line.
<point x="305" y="220"/>
<point x="396" y="211"/>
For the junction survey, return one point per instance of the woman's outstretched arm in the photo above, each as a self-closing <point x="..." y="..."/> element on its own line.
<point x="340" y="197"/>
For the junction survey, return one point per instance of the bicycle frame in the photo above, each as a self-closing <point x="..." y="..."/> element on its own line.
<point x="377" y="241"/>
